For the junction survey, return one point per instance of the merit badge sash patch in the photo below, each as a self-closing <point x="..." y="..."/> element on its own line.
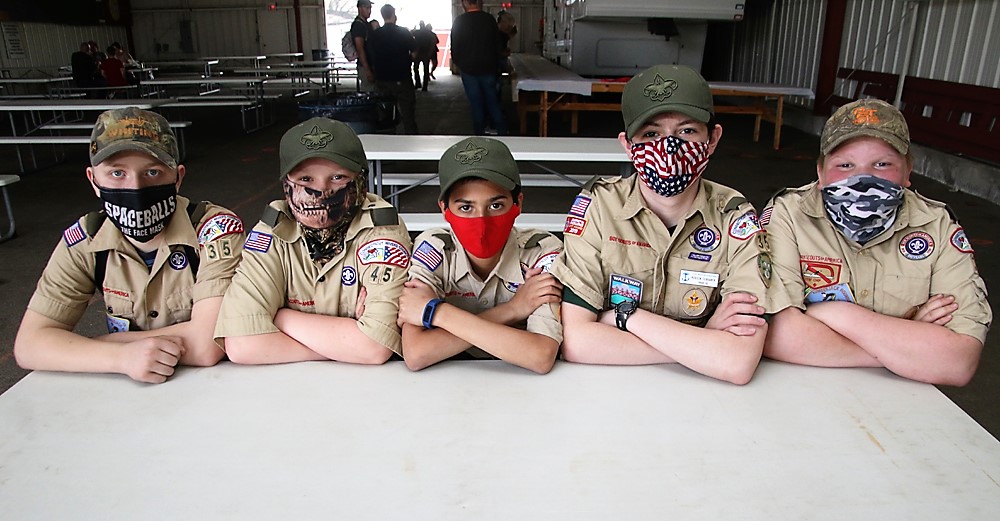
<point x="74" y="234"/>
<point x="960" y="241"/>
<point x="428" y="255"/>
<point x="384" y="251"/>
<point x="699" y="278"/>
<point x="705" y="238"/>
<point x="258" y="241"/>
<point x="219" y="226"/>
<point x="545" y="261"/>
<point x="916" y="245"/>
<point x="819" y="272"/>
<point x="580" y="206"/>
<point x="177" y="260"/>
<point x="622" y="288"/>
<point x="574" y="225"/>
<point x="744" y="226"/>
<point x="835" y="293"/>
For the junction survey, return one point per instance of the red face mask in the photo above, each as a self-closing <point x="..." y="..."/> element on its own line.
<point x="483" y="237"/>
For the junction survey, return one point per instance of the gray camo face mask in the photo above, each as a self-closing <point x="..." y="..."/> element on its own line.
<point x="862" y="206"/>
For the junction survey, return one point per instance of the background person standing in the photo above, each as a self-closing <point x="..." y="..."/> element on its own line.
<point x="475" y="49"/>
<point x="360" y="31"/>
<point x="392" y="47"/>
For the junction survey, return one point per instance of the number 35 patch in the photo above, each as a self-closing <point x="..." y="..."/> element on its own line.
<point x="218" y="249"/>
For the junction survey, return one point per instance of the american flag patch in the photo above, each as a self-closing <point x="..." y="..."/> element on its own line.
<point x="257" y="241"/>
<point x="384" y="251"/>
<point x="765" y="216"/>
<point x="74" y="234"/>
<point x="580" y="206"/>
<point x="428" y="256"/>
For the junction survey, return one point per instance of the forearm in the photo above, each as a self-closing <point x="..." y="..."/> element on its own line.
<point x="200" y="348"/>
<point x="44" y="344"/>
<point x="587" y="341"/>
<point x="268" y="348"/>
<point x="522" y="348"/>
<point x="711" y="352"/>
<point x="336" y="338"/>
<point x="917" y="350"/>
<point x="426" y="347"/>
<point x="799" y="338"/>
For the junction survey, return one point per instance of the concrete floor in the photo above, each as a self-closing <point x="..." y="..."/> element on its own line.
<point x="240" y="172"/>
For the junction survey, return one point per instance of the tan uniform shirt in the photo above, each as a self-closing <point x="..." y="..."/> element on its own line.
<point x="925" y="253"/>
<point x="618" y="249"/>
<point x="440" y="261"/>
<point x="277" y="272"/>
<point x="149" y="298"/>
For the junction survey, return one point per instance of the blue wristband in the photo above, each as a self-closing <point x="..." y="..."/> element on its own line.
<point x="429" y="310"/>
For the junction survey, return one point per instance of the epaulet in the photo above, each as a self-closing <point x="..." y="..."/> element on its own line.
<point x="535" y="239"/>
<point x="271" y="216"/>
<point x="92" y="222"/>
<point x="775" y="195"/>
<point x="445" y="238"/>
<point x="385" y="216"/>
<point x="590" y="183"/>
<point x="197" y="210"/>
<point x="933" y="203"/>
<point x="734" y="203"/>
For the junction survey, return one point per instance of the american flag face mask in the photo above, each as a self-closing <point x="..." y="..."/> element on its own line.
<point x="669" y="165"/>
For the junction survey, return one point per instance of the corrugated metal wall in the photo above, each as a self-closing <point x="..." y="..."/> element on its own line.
<point x="49" y="46"/>
<point x="954" y="40"/>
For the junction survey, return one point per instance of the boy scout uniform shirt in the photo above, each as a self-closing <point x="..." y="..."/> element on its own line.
<point x="617" y="249"/>
<point x="277" y="272"/>
<point x="147" y="298"/>
<point x="924" y="253"/>
<point x="446" y="269"/>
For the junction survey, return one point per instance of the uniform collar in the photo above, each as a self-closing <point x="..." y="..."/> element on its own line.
<point x="509" y="267"/>
<point x="179" y="231"/>
<point x="634" y="201"/>
<point x="288" y="229"/>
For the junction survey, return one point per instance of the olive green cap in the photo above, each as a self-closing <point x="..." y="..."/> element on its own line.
<point x="129" y="128"/>
<point x="324" y="138"/>
<point x="665" y="88"/>
<point x="867" y="117"/>
<point x="480" y="157"/>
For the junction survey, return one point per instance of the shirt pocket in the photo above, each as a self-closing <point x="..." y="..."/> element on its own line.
<point x="118" y="303"/>
<point x="179" y="304"/>
<point x="900" y="294"/>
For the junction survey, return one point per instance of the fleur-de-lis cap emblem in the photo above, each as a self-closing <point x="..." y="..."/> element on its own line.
<point x="316" y="138"/>
<point x="472" y="154"/>
<point x="660" y="89"/>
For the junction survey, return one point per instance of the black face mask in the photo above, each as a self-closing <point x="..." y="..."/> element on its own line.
<point x="140" y="214"/>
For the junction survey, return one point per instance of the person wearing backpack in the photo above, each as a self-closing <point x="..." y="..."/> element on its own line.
<point x="360" y="31"/>
<point x="161" y="262"/>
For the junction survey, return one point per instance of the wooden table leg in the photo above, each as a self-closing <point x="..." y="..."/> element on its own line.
<point x="522" y="114"/>
<point x="543" y="115"/>
<point x="777" y="121"/>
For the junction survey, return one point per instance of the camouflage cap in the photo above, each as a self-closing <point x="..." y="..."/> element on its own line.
<point x="665" y="88"/>
<point x="324" y="138"/>
<point x="129" y="128"/>
<point x="867" y="117"/>
<point x="480" y="157"/>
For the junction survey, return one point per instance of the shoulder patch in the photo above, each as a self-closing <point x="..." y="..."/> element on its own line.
<point x="744" y="226"/>
<point x="74" y="234"/>
<point x="545" y="261"/>
<point x="258" y="241"/>
<point x="960" y="241"/>
<point x="574" y="225"/>
<point x="384" y="251"/>
<point x="428" y="255"/>
<point x="580" y="206"/>
<point x="765" y="216"/>
<point x="219" y="225"/>
<point x="385" y="216"/>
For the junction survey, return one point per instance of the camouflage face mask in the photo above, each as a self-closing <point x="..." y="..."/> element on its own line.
<point x="862" y="206"/>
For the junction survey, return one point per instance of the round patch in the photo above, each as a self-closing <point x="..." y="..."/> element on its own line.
<point x="511" y="286"/>
<point x="916" y="245"/>
<point x="960" y="241"/>
<point x="695" y="302"/>
<point x="705" y="238"/>
<point x="177" y="260"/>
<point x="349" y="276"/>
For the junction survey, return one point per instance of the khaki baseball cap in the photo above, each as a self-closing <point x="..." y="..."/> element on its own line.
<point x="867" y="117"/>
<point x="480" y="157"/>
<point x="129" y="128"/>
<point x="325" y="138"/>
<point x="665" y="88"/>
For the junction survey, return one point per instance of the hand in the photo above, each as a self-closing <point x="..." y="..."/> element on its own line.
<point x="152" y="360"/>
<point x="737" y="314"/>
<point x="538" y="288"/>
<point x="416" y="294"/>
<point x="359" y="308"/>
<point x="937" y="310"/>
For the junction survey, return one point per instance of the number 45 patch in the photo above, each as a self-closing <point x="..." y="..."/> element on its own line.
<point x="380" y="274"/>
